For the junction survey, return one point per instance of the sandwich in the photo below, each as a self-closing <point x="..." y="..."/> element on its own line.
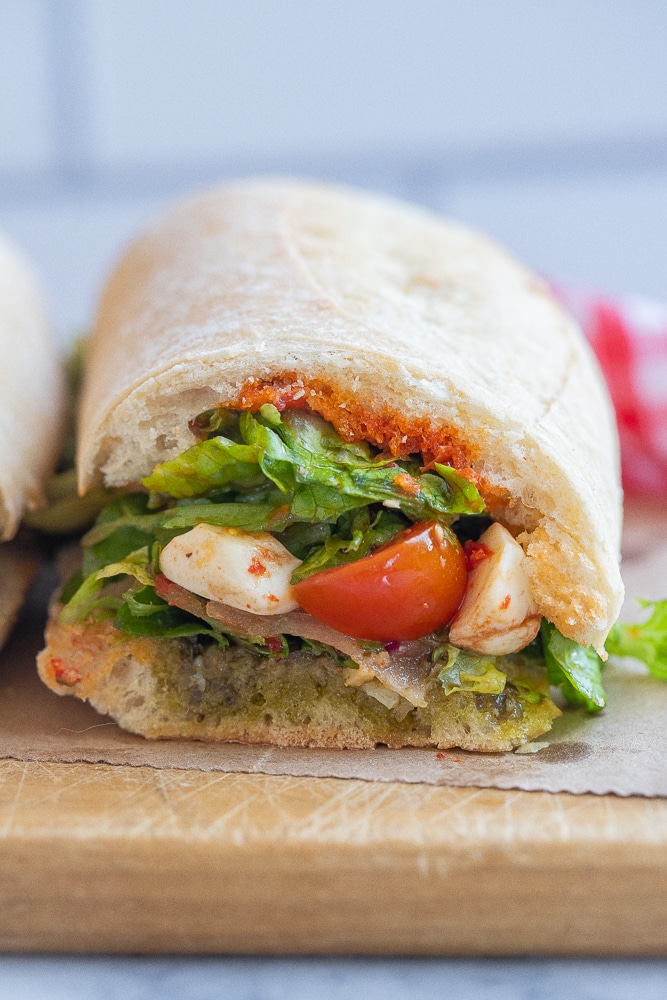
<point x="30" y="422"/>
<point x="366" y="484"/>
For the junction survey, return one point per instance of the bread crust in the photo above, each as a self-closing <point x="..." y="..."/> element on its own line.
<point x="390" y="308"/>
<point x="31" y="412"/>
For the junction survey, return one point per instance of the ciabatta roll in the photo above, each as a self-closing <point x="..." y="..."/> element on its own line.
<point x="401" y="330"/>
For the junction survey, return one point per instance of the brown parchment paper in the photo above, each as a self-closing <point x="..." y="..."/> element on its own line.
<point x="622" y="750"/>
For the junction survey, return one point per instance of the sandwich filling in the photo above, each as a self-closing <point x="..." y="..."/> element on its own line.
<point x="275" y="541"/>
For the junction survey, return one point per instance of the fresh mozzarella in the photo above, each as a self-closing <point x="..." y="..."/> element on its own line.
<point x="498" y="614"/>
<point x="250" y="571"/>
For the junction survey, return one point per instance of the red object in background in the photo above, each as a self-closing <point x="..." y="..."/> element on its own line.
<point x="629" y="337"/>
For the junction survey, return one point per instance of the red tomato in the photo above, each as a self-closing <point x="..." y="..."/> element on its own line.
<point x="405" y="589"/>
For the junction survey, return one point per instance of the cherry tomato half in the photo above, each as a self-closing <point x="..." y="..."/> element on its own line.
<point x="407" y="588"/>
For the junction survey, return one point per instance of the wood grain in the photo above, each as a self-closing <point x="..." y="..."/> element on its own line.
<point x="137" y="859"/>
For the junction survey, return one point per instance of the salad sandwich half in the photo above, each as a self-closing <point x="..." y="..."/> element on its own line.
<point x="363" y="484"/>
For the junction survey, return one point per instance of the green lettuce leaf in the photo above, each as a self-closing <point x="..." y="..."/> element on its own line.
<point x="464" y="498"/>
<point x="576" y="669"/>
<point x="316" y="437"/>
<point x="124" y="526"/>
<point x="144" y="602"/>
<point x="465" y="671"/>
<point x="263" y="646"/>
<point x="212" y="464"/>
<point x="527" y="690"/>
<point x="645" y="641"/>
<point x="357" y="534"/>
<point x="316" y="502"/>
<point x="136" y="564"/>
<point x="144" y="613"/>
<point x="301" y="538"/>
<point x="85" y="599"/>
<point x="246" y="516"/>
<point x="301" y="448"/>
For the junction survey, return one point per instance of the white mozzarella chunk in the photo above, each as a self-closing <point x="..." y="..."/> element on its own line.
<point x="498" y="614"/>
<point x="250" y="571"/>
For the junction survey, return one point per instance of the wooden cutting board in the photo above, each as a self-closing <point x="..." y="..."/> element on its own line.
<point x="104" y="858"/>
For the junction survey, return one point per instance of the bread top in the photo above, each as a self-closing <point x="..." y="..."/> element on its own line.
<point x="388" y="311"/>
<point x="31" y="396"/>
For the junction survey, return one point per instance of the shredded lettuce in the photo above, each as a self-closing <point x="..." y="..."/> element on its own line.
<point x="330" y="501"/>
<point x="246" y="516"/>
<point x="320" y="475"/>
<point x="575" y="669"/>
<point x="301" y="538"/>
<point x="124" y="526"/>
<point x="465" y="495"/>
<point x="357" y="534"/>
<point x="85" y="599"/>
<point x="527" y="690"/>
<point x="292" y="475"/>
<point x="465" y="671"/>
<point x="145" y="613"/>
<point x="213" y="464"/>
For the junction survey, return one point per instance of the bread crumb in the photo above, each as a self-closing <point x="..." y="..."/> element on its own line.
<point x="530" y="747"/>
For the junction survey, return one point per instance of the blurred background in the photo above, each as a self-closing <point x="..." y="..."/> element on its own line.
<point x="543" y="122"/>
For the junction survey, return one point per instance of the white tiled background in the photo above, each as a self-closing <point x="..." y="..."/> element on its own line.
<point x="543" y="121"/>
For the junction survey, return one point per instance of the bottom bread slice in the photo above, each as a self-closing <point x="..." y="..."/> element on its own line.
<point x="167" y="688"/>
